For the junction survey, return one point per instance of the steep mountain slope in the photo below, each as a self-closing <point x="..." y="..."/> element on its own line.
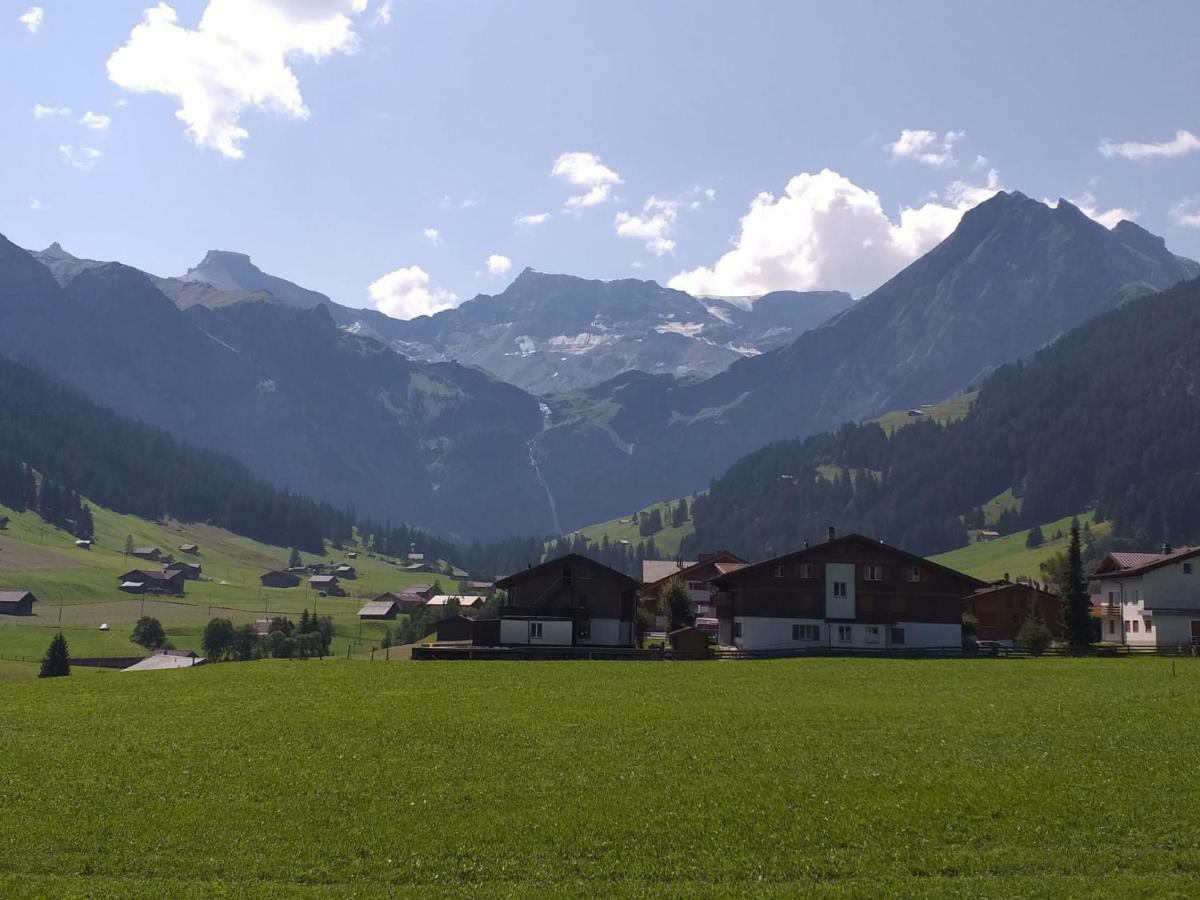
<point x="1107" y="417"/>
<point x="302" y="403"/>
<point x="1013" y="276"/>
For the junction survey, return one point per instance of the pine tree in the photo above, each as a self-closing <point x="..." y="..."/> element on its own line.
<point x="294" y="560"/>
<point x="85" y="527"/>
<point x="676" y="605"/>
<point x="57" y="661"/>
<point x="1034" y="537"/>
<point x="303" y="627"/>
<point x="1077" y="605"/>
<point x="128" y="544"/>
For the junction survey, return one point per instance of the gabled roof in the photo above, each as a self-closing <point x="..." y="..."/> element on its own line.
<point x="1006" y="585"/>
<point x="655" y="570"/>
<point x="463" y="599"/>
<point x="377" y="608"/>
<point x="846" y="539"/>
<point x="150" y="575"/>
<point x="15" y="596"/>
<point x="323" y="579"/>
<point x="723" y="563"/>
<point x="536" y="571"/>
<point x="1123" y="564"/>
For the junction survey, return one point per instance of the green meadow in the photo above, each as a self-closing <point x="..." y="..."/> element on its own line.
<point x="1008" y="555"/>
<point x="77" y="589"/>
<point x="821" y="777"/>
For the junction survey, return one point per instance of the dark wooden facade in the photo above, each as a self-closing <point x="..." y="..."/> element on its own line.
<point x="1001" y="610"/>
<point x="278" y="579"/>
<point x="156" y="582"/>
<point x="16" y="603"/>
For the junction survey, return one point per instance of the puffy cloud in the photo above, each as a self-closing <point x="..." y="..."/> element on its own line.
<point x="383" y="15"/>
<point x="1186" y="213"/>
<point x="925" y="147"/>
<point x="1089" y="206"/>
<point x="95" y="121"/>
<point x="1182" y="144"/>
<point x="586" y="171"/>
<point x="532" y="219"/>
<point x="434" y="237"/>
<point x="46" y="112"/>
<point x="32" y="19"/>
<point x="82" y="158"/>
<point x="655" y="225"/>
<point x="405" y="294"/>
<point x="826" y="232"/>
<point x="238" y="57"/>
<point x="498" y="265"/>
<point x="35" y="204"/>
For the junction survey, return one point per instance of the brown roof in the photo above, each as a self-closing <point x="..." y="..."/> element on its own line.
<point x="14" y="596"/>
<point x="1135" y="563"/>
<point x="323" y="579"/>
<point x="534" y="571"/>
<point x="655" y="570"/>
<point x="377" y="608"/>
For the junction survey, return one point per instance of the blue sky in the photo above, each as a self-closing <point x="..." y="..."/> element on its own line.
<point x="863" y="130"/>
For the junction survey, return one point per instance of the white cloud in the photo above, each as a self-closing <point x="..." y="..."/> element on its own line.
<point x="710" y="193"/>
<point x="434" y="237"/>
<point x="120" y="102"/>
<point x="82" y="158"/>
<point x="95" y="121"/>
<point x="532" y="219"/>
<point x="1182" y="144"/>
<point x="926" y="147"/>
<point x="585" y="170"/>
<point x="35" y="204"/>
<point x="237" y="58"/>
<point x="32" y="19"/>
<point x="826" y="232"/>
<point x="498" y="265"/>
<point x="1186" y="213"/>
<point x="405" y="294"/>
<point x="46" y="112"/>
<point x="383" y="15"/>
<point x="1089" y="206"/>
<point x="655" y="225"/>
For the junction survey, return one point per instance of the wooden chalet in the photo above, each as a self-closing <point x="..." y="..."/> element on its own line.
<point x="569" y="601"/>
<point x="345" y="571"/>
<point x="152" y="581"/>
<point x="379" y="609"/>
<point x="1002" y="608"/>
<point x="279" y="579"/>
<point x="406" y="602"/>
<point x="16" y="603"/>
<point x="192" y="549"/>
<point x="153" y="554"/>
<point x="327" y="584"/>
<point x="849" y="593"/>
<point x="191" y="571"/>
<point x="696" y="578"/>
<point x="421" y="590"/>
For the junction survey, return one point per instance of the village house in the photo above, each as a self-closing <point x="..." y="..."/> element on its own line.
<point x="422" y="590"/>
<point x="345" y="571"/>
<point x="193" y="549"/>
<point x="191" y="571"/>
<point x="151" y="581"/>
<point x="153" y="554"/>
<point x="466" y="601"/>
<point x="696" y="578"/>
<point x="1001" y="609"/>
<point x="1149" y="600"/>
<point x="406" y="602"/>
<point x="16" y="603"/>
<point x="278" y="579"/>
<point x="326" y="584"/>
<point x="849" y="593"/>
<point x="569" y="601"/>
<point x="380" y="609"/>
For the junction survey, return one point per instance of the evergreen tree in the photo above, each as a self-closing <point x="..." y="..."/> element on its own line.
<point x="294" y="560"/>
<point x="1077" y="604"/>
<point x="128" y="544"/>
<point x="304" y="626"/>
<point x="85" y="526"/>
<point x="57" y="661"/>
<point x="676" y="605"/>
<point x="1034" y="537"/>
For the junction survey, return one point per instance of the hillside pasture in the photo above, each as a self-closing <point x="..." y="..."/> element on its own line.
<point x="830" y="777"/>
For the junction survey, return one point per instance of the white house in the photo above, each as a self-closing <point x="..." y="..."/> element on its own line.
<point x="1149" y="599"/>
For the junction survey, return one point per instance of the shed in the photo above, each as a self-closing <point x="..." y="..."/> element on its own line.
<point x="4" y="520"/>
<point x="16" y="603"/>
<point x="191" y="571"/>
<point x="379" y="610"/>
<point x="466" y="601"/>
<point x="153" y="581"/>
<point x="151" y="553"/>
<point x="83" y="544"/>
<point x="278" y="579"/>
<point x="189" y="548"/>
<point x="455" y="628"/>
<point x="345" y="571"/>
<point x="690" y="640"/>
<point x="405" y="602"/>
<point x="421" y="590"/>
<point x="326" y="583"/>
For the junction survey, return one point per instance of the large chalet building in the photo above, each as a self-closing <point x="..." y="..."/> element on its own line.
<point x="849" y="593"/>
<point x="696" y="578"/>
<point x="1149" y="600"/>
<point x="569" y="601"/>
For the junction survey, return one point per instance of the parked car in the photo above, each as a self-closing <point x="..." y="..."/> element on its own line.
<point x="991" y="648"/>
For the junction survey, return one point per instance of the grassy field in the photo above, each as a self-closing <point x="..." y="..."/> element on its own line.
<point x="949" y="410"/>
<point x="834" y="777"/>
<point x="990" y="560"/>
<point x="626" y="528"/>
<point x="78" y="588"/>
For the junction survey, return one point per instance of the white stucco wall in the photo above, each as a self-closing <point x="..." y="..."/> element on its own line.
<point x="931" y="634"/>
<point x="555" y="632"/>
<point x="1174" y="630"/>
<point x="769" y="633"/>
<point x="839" y="607"/>
<point x="605" y="632"/>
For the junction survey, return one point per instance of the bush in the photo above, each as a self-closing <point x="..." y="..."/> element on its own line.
<point x="1034" y="635"/>
<point x="148" y="632"/>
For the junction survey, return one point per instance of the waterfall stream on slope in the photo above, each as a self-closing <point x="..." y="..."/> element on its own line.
<point x="538" y="473"/>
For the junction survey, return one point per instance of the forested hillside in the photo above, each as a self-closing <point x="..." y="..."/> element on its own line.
<point x="1107" y="417"/>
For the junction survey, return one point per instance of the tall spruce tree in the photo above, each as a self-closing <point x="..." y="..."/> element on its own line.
<point x="57" y="661"/>
<point x="1077" y="605"/>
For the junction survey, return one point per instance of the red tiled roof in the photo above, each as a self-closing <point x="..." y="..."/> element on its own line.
<point x="1127" y="563"/>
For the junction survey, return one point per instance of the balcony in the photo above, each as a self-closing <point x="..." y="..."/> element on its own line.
<point x="1100" y="610"/>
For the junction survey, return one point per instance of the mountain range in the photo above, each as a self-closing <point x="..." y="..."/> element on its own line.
<point x="315" y="396"/>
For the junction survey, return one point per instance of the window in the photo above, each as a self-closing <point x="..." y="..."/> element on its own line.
<point x="1112" y="598"/>
<point x="1149" y="625"/>
<point x="535" y="629"/>
<point x="844" y="634"/>
<point x="897" y="636"/>
<point x="737" y="629"/>
<point x="1127" y="625"/>
<point x="807" y="570"/>
<point x="806" y="633"/>
<point x="1112" y="626"/>
<point x="1187" y="568"/>
<point x="872" y="634"/>
<point x="872" y="573"/>
<point x="695" y="585"/>
<point x="839" y="589"/>
<point x="1135" y="626"/>
<point x="914" y="573"/>
<point x="779" y="571"/>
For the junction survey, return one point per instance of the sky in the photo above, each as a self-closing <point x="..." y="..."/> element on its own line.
<point x="408" y="155"/>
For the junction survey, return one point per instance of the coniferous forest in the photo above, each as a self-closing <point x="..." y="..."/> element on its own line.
<point x="1108" y="417"/>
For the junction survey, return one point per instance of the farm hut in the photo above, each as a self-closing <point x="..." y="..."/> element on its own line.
<point x="352" y="555"/>
<point x="151" y="553"/>
<point x="4" y="520"/>
<point x="460" y="574"/>
<point x="690" y="641"/>
<point x="193" y="549"/>
<point x="405" y="602"/>
<point x="466" y="601"/>
<point x="421" y="590"/>
<point x="191" y="571"/>
<point x="379" y="610"/>
<point x="278" y="579"/>
<point x="345" y="571"/>
<point x="454" y="629"/>
<point x="16" y="603"/>
<point x="83" y="544"/>
<point x="153" y="581"/>
<point x="327" y="583"/>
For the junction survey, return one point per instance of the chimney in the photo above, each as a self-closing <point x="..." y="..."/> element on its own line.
<point x="831" y="534"/>
<point x="806" y="543"/>
<point x="1166" y="548"/>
